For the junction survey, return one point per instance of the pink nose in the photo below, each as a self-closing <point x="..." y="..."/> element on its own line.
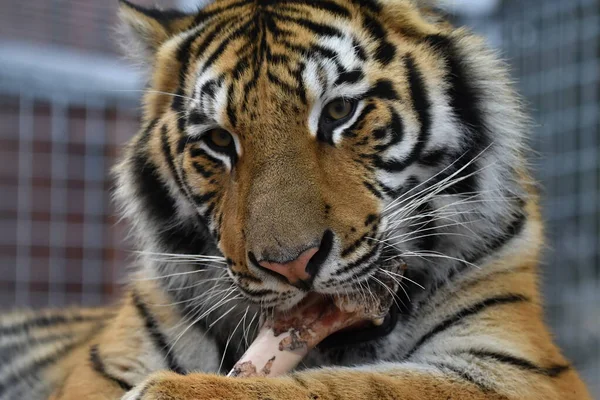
<point x="294" y="270"/>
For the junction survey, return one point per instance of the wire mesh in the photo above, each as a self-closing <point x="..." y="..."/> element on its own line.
<point x="59" y="240"/>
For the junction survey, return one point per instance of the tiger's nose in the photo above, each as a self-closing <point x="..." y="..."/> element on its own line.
<point x="301" y="271"/>
<point x="295" y="270"/>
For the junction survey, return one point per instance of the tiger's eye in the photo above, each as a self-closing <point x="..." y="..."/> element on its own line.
<point x="338" y="109"/>
<point x="220" y="137"/>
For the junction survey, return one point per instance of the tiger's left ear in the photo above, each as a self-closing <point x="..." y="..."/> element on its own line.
<point x="417" y="18"/>
<point x="143" y="30"/>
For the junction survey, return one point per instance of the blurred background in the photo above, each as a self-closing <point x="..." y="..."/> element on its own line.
<point x="68" y="102"/>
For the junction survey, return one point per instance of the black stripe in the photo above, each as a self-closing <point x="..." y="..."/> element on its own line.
<point x="362" y="260"/>
<point x="275" y="80"/>
<point x="210" y="87"/>
<point x="201" y="170"/>
<point x="359" y="50"/>
<point x="203" y="198"/>
<point x="210" y="36"/>
<point x="152" y="192"/>
<point x="166" y="149"/>
<point x="311" y="49"/>
<point x="33" y="369"/>
<point x="370" y="219"/>
<point x="465" y="313"/>
<point x="383" y="89"/>
<point x="462" y="374"/>
<point x="349" y="77"/>
<point x="198" y="152"/>
<point x="177" y="106"/>
<point x="301" y="90"/>
<point x="465" y="101"/>
<point x="358" y="242"/>
<point x="512" y="230"/>
<point x="195" y="117"/>
<point x="371" y="5"/>
<point x="520" y="363"/>
<point x="369" y="266"/>
<point x="373" y="190"/>
<point x="46" y="321"/>
<point x="359" y="123"/>
<point x="385" y="51"/>
<point x="257" y="293"/>
<point x="183" y="54"/>
<point x="240" y="66"/>
<point x="148" y="131"/>
<point x="380" y="133"/>
<point x="352" y="248"/>
<point x="157" y="337"/>
<point x="388" y="190"/>
<point x="204" y="15"/>
<point x="183" y="57"/>
<point x="99" y="367"/>
<point x="10" y="351"/>
<point x="422" y="106"/>
<point x="397" y="132"/>
<point x="231" y="112"/>
<point x="324" y="5"/>
<point x="239" y="32"/>
<point x="434" y="158"/>
<point x="397" y="128"/>
<point x="318" y="28"/>
<point x="245" y="276"/>
<point x="279" y="59"/>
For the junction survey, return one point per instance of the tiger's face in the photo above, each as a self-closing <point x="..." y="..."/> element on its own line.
<point x="298" y="133"/>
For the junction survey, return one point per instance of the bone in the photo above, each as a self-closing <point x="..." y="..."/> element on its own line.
<point x="285" y="340"/>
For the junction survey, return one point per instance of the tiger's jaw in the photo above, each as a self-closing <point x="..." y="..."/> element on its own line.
<point x="344" y="319"/>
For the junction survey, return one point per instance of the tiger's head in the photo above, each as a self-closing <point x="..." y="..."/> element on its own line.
<point x="311" y="142"/>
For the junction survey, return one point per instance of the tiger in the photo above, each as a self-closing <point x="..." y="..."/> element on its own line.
<point x="305" y="146"/>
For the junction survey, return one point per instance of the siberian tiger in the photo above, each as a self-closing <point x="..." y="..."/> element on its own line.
<point x="299" y="146"/>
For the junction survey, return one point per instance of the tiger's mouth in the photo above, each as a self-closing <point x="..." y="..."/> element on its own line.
<point x="363" y="332"/>
<point x="343" y="320"/>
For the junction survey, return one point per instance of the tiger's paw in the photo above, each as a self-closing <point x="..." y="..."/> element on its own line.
<point x="172" y="386"/>
<point x="169" y="385"/>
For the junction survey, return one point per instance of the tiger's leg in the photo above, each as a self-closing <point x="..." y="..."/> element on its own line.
<point x="132" y="347"/>
<point x="402" y="381"/>
<point x="111" y="363"/>
<point x="442" y="379"/>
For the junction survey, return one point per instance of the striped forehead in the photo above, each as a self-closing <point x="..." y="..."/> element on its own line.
<point x="331" y="66"/>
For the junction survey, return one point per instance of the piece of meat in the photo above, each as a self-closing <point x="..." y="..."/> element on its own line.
<point x="286" y="339"/>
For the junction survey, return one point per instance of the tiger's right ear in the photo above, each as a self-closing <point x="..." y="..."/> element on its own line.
<point x="142" y="30"/>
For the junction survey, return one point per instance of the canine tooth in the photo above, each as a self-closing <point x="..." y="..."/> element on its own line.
<point x="377" y="321"/>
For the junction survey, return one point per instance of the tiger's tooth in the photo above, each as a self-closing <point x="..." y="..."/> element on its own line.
<point x="377" y="321"/>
